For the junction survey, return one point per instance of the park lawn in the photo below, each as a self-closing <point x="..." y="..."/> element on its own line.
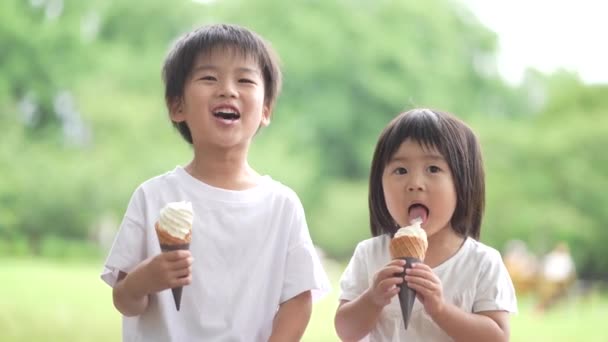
<point x="52" y="301"/>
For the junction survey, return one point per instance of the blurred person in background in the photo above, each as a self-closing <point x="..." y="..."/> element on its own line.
<point x="556" y="278"/>
<point x="522" y="266"/>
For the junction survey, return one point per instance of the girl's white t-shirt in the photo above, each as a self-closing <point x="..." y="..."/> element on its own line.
<point x="252" y="251"/>
<point x="475" y="279"/>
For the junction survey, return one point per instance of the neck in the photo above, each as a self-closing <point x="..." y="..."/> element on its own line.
<point x="442" y="246"/>
<point x="223" y="169"/>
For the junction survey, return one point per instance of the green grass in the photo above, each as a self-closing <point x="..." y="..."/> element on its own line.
<point x="52" y="301"/>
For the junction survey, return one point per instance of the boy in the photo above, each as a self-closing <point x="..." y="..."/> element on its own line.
<point x="252" y="270"/>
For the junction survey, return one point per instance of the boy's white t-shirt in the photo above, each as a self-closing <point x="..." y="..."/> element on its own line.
<point x="474" y="279"/>
<point x="252" y="251"/>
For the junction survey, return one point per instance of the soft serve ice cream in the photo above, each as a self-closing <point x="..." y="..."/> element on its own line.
<point x="409" y="243"/>
<point x="176" y="220"/>
<point x="174" y="231"/>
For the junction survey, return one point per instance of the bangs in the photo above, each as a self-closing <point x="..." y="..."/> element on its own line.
<point x="422" y="126"/>
<point x="223" y="42"/>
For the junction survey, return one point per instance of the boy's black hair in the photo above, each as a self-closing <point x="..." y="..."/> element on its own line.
<point x="457" y="144"/>
<point x="181" y="58"/>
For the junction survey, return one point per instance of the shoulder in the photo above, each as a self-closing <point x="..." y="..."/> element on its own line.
<point x="159" y="182"/>
<point x="154" y="187"/>
<point x="482" y="252"/>
<point x="281" y="194"/>
<point x="375" y="246"/>
<point x="278" y="189"/>
<point x="487" y="262"/>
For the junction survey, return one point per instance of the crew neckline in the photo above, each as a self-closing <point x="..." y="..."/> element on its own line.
<point x="221" y="194"/>
<point x="463" y="248"/>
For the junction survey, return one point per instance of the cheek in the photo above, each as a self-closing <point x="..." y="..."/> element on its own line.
<point x="392" y="199"/>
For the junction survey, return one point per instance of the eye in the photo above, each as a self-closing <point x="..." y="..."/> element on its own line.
<point x="400" y="171"/>
<point x="246" y="80"/>
<point x="208" y="78"/>
<point x="434" y="169"/>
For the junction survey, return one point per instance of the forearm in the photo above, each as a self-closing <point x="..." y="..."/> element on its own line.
<point x="128" y="300"/>
<point x="464" y="326"/>
<point x="292" y="318"/>
<point x="355" y="319"/>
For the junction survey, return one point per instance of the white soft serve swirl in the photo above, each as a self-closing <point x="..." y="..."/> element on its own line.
<point x="413" y="229"/>
<point x="176" y="219"/>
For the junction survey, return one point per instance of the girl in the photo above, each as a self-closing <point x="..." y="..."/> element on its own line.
<point x="427" y="164"/>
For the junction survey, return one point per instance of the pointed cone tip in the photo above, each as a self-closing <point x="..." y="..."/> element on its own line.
<point x="177" y="296"/>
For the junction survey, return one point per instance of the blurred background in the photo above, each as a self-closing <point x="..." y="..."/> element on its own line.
<point x="84" y="123"/>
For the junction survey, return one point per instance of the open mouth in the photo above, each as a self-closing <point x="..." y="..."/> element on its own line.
<point x="418" y="210"/>
<point x="228" y="114"/>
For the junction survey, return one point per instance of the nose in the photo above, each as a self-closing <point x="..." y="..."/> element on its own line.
<point x="227" y="89"/>
<point x="415" y="183"/>
<point x="415" y="188"/>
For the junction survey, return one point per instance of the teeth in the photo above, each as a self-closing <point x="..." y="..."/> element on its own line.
<point x="225" y="111"/>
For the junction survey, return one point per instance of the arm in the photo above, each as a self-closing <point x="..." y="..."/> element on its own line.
<point x="460" y="325"/>
<point x="355" y="319"/>
<point x="127" y="300"/>
<point x="292" y="318"/>
<point x="482" y="326"/>
<point x="164" y="271"/>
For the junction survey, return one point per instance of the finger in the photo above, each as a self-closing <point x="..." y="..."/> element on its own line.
<point x="396" y="262"/>
<point x="177" y="255"/>
<point x="421" y="290"/>
<point x="390" y="272"/>
<point x="182" y="272"/>
<point x="181" y="264"/>
<point x="386" y="284"/>
<point x="422" y="283"/>
<point x="183" y="281"/>
<point x="387" y="296"/>
<point x="423" y="274"/>
<point x="421" y="266"/>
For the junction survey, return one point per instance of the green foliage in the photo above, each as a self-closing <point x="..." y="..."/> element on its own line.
<point x="350" y="66"/>
<point x="371" y="60"/>
<point x="546" y="176"/>
<point x="341" y="218"/>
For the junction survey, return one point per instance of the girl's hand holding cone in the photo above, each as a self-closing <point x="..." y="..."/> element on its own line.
<point x="429" y="291"/>
<point x="385" y="283"/>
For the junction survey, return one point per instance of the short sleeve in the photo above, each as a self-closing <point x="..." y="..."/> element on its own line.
<point x="355" y="279"/>
<point x="495" y="289"/>
<point x="303" y="268"/>
<point x="128" y="248"/>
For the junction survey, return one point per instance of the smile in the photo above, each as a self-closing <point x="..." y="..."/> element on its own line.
<point x="227" y="113"/>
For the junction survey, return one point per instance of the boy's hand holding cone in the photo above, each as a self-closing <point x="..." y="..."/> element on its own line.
<point x="174" y="231"/>
<point x="410" y="244"/>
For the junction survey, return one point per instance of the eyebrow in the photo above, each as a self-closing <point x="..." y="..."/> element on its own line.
<point x="212" y="67"/>
<point x="431" y="157"/>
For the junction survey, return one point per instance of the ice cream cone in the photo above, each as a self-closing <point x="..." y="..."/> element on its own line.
<point x="177" y="291"/>
<point x="170" y="242"/>
<point x="407" y="296"/>
<point x="409" y="245"/>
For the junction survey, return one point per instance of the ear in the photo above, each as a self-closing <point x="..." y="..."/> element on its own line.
<point x="176" y="110"/>
<point x="266" y="114"/>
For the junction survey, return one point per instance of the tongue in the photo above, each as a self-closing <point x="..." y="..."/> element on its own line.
<point x="417" y="211"/>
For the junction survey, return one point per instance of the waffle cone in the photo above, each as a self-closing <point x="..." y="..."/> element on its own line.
<point x="166" y="239"/>
<point x="168" y="243"/>
<point x="408" y="247"/>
